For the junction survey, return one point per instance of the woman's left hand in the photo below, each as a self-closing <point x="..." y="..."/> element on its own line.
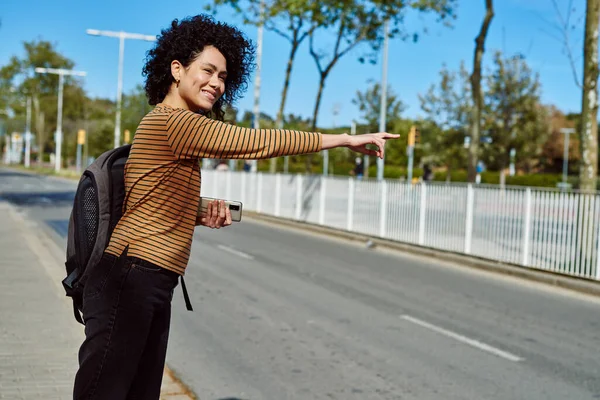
<point x="217" y="215"/>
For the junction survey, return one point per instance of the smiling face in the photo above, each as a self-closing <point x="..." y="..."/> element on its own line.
<point x="202" y="82"/>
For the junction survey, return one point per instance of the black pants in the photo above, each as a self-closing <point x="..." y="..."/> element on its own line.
<point x="127" y="313"/>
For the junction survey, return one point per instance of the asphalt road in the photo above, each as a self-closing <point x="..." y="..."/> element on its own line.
<point x="280" y="314"/>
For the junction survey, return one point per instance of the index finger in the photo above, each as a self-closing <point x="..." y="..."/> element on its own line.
<point x="223" y="209"/>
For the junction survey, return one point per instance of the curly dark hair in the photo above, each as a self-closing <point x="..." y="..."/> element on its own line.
<point x="183" y="41"/>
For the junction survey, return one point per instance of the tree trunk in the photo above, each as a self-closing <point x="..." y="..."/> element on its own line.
<point x="476" y="91"/>
<point x="318" y="103"/>
<point x="314" y="118"/>
<point x="588" y="169"/>
<point x="286" y="85"/>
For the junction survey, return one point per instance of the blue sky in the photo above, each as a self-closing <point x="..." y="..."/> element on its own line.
<point x="519" y="26"/>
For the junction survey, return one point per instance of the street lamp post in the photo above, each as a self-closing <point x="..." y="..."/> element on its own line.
<point x="121" y="36"/>
<point x="28" y="133"/>
<point x="257" y="76"/>
<point x="61" y="73"/>
<point x="566" y="132"/>
<point x="383" y="110"/>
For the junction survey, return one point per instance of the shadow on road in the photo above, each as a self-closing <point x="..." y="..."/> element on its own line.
<point x="60" y="226"/>
<point x="231" y="398"/>
<point x="4" y="174"/>
<point x="49" y="199"/>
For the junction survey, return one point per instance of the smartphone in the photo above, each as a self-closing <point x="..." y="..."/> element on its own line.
<point x="235" y="207"/>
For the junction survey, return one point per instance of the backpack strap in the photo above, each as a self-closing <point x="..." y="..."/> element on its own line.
<point x="77" y="314"/>
<point x="186" y="297"/>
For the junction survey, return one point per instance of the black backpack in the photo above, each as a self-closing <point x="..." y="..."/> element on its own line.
<point x="97" y="208"/>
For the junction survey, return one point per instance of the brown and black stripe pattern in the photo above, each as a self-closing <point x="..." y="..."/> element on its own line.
<point x="162" y="178"/>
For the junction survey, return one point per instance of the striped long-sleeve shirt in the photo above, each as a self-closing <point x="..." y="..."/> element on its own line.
<point x="162" y="178"/>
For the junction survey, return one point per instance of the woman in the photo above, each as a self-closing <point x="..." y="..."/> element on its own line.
<point x="196" y="67"/>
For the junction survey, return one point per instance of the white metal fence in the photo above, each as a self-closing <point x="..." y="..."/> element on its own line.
<point x="550" y="230"/>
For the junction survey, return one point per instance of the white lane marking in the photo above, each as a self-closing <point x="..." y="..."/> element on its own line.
<point x="236" y="252"/>
<point x="471" y="342"/>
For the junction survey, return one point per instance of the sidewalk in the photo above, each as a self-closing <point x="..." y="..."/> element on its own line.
<point x="39" y="337"/>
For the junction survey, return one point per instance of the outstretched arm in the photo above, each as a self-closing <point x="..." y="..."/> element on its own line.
<point x="192" y="135"/>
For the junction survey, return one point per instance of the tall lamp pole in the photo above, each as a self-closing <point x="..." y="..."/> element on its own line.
<point x="61" y="73"/>
<point x="383" y="110"/>
<point x="566" y="132"/>
<point x="259" y="50"/>
<point x="121" y="36"/>
<point x="28" y="133"/>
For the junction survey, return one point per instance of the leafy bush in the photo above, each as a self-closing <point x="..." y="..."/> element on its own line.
<point x="493" y="178"/>
<point x="455" y="176"/>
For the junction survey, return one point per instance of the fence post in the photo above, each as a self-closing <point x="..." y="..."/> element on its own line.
<point x="469" y="222"/>
<point x="597" y="275"/>
<point x="277" y="194"/>
<point x="322" y="200"/>
<point x="350" y="215"/>
<point x="259" y="185"/>
<point x="526" y="228"/>
<point x="215" y="183"/>
<point x="382" y="207"/>
<point x="298" y="196"/>
<point x="243" y="189"/>
<point x="422" y="213"/>
<point x="228" y="185"/>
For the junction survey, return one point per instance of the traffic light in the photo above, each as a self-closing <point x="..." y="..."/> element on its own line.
<point x="417" y="135"/>
<point x="411" y="136"/>
<point x="81" y="136"/>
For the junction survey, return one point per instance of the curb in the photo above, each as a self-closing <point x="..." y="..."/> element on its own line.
<point x="174" y="389"/>
<point x="580" y="285"/>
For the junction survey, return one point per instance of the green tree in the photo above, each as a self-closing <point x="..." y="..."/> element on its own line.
<point x="369" y="104"/>
<point x="18" y="81"/>
<point x="514" y="117"/>
<point x="448" y="110"/>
